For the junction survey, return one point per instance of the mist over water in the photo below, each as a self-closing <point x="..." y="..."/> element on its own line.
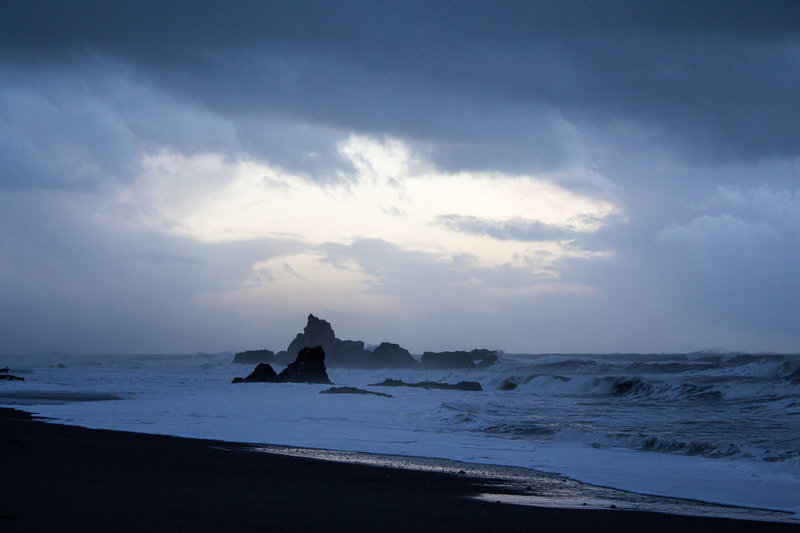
<point x="722" y="428"/>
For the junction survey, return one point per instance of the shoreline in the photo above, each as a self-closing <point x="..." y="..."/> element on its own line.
<point x="68" y="478"/>
<point x="515" y="484"/>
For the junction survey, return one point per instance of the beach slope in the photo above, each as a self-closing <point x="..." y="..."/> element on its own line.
<point x="65" y="478"/>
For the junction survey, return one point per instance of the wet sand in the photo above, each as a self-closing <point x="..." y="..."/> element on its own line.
<point x="66" y="478"/>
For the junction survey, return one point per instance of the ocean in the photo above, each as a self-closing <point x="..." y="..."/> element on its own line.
<point x="717" y="428"/>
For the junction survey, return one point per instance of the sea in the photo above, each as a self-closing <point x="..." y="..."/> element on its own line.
<point x="671" y="432"/>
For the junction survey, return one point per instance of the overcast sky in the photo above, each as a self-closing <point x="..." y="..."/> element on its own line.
<point x="528" y="176"/>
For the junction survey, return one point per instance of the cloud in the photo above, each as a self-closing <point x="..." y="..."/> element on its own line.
<point x="741" y="217"/>
<point x="559" y="176"/>
<point x="781" y="207"/>
<point x="90" y="127"/>
<point x="712" y="230"/>
<point x="216" y="199"/>
<point x="49" y="144"/>
<point x="711" y="81"/>
<point x="216" y="233"/>
<point x="513" y="229"/>
<point x="730" y="266"/>
<point x="73" y="284"/>
<point x="527" y="230"/>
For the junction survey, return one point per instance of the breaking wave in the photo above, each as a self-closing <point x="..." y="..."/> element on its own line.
<point x="731" y="406"/>
<point x="641" y="388"/>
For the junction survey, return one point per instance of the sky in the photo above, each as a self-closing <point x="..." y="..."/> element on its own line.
<point x="534" y="177"/>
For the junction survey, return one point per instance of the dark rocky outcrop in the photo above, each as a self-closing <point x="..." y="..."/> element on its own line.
<point x="509" y="384"/>
<point x="319" y="332"/>
<point x="390" y="355"/>
<point x="478" y="358"/>
<point x="283" y="358"/>
<point x="461" y="385"/>
<point x="446" y="360"/>
<point x="484" y="358"/>
<point x="350" y="353"/>
<point x="309" y="367"/>
<point x="263" y="372"/>
<point x="353" y="354"/>
<point x="5" y="376"/>
<point x="252" y="357"/>
<point x="353" y="390"/>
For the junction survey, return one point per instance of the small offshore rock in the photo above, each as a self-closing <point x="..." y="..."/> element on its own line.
<point x="262" y="373"/>
<point x="353" y="390"/>
<point x="509" y="384"/>
<point x="461" y="385"/>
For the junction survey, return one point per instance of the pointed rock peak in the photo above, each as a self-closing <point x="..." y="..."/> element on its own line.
<point x="318" y="329"/>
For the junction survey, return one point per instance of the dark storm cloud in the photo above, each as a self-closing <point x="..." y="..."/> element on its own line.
<point x="74" y="128"/>
<point x="713" y="79"/>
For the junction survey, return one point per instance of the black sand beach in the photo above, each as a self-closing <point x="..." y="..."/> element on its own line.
<point x="64" y="478"/>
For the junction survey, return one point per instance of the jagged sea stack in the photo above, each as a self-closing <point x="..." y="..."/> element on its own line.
<point x="318" y="332"/>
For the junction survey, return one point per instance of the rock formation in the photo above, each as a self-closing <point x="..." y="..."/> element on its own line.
<point x="509" y="384"/>
<point x="309" y="367"/>
<point x="252" y="357"/>
<point x="390" y="355"/>
<point x="262" y="372"/>
<point x="446" y="360"/>
<point x="479" y="358"/>
<point x="283" y="358"/>
<point x="319" y="332"/>
<point x="349" y="353"/>
<point x="461" y="385"/>
<point x="484" y="358"/>
<point x="5" y="376"/>
<point x="353" y="390"/>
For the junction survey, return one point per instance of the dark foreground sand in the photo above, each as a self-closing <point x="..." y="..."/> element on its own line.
<point x="63" y="478"/>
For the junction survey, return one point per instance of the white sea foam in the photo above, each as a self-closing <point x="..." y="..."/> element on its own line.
<point x="725" y="431"/>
